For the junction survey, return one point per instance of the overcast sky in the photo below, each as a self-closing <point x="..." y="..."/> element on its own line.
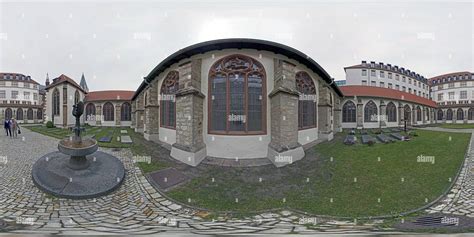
<point x="116" y="44"/>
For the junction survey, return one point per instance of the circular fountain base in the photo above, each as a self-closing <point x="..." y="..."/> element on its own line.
<point x="52" y="174"/>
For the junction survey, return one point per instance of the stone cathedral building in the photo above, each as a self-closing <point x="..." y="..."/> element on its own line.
<point x="237" y="99"/>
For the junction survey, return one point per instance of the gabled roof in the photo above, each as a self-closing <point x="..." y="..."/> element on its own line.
<point x="372" y="91"/>
<point x="64" y="79"/>
<point x="109" y="95"/>
<point x="237" y="43"/>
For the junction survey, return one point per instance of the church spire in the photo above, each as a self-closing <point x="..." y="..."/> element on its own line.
<point x="83" y="83"/>
<point x="47" y="79"/>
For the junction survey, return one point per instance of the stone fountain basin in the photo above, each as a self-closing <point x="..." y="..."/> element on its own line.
<point x="83" y="148"/>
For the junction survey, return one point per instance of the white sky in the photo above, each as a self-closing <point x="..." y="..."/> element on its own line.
<point x="117" y="43"/>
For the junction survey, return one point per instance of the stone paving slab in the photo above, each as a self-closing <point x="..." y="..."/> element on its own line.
<point x="126" y="139"/>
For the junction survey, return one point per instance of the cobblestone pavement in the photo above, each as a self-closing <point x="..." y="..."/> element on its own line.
<point x="460" y="200"/>
<point x="136" y="207"/>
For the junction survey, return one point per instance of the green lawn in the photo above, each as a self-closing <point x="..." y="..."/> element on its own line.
<point x="325" y="187"/>
<point x="457" y="126"/>
<point x="99" y="132"/>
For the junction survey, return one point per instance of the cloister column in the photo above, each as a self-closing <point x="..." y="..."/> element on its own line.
<point x="444" y="115"/>
<point x="284" y="116"/>
<point x="35" y="116"/>
<point x="360" y="114"/>
<point x="118" y="108"/>
<point x="98" y="114"/>
<point x="432" y="116"/>
<point x="383" y="114"/>
<point x="152" y="109"/>
<point x="424" y="113"/>
<point x="465" y="114"/>
<point x="133" y="118"/>
<point x="337" y="114"/>
<point x="140" y="113"/>
<point x="189" y="147"/>
<point x="455" y="115"/>
<point x="401" y="114"/>
<point x="414" y="115"/>
<point x="324" y="113"/>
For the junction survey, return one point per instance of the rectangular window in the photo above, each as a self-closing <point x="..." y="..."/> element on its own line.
<point x="26" y="95"/>
<point x="397" y="77"/>
<point x="382" y="84"/>
<point x="440" y="97"/>
<point x="463" y="95"/>
<point x="15" y="83"/>
<point x="3" y="95"/>
<point x="372" y="73"/>
<point x="404" y="88"/>
<point x="26" y="85"/>
<point x="390" y="85"/>
<point x="14" y="95"/>
<point x="451" y="85"/>
<point x="382" y="74"/>
<point x="414" y="92"/>
<point x="364" y="72"/>
<point x="364" y="82"/>
<point x="409" y="90"/>
<point x="389" y="75"/>
<point x="404" y="79"/>
<point x="397" y="87"/>
<point x="463" y="83"/>
<point x="35" y="96"/>
<point x="373" y="83"/>
<point x="440" y="87"/>
<point x="451" y="95"/>
<point x="409" y="81"/>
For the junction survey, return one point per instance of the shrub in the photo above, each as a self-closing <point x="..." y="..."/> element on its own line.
<point x="50" y="124"/>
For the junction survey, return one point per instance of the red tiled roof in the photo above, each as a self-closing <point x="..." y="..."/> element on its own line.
<point x="371" y="91"/>
<point x="63" y="79"/>
<point x="109" y="95"/>
<point x="14" y="75"/>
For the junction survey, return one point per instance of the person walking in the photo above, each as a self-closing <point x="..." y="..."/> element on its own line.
<point x="9" y="128"/>
<point x="15" y="128"/>
<point x="6" y="125"/>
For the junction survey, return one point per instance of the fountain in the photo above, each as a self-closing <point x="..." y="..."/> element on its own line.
<point x="78" y="170"/>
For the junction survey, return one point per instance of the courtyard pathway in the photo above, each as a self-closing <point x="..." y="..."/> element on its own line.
<point x="460" y="200"/>
<point x="136" y="207"/>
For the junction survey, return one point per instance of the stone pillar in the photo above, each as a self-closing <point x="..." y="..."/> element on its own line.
<point x="414" y="115"/>
<point x="425" y="112"/>
<point x="284" y="116"/>
<point x="383" y="114"/>
<point x="360" y="115"/>
<point x="455" y="115"/>
<point x="35" y="116"/>
<point x="152" y="114"/>
<point x="134" y="108"/>
<point x="465" y="113"/>
<point x="324" y="113"/>
<point x="337" y="114"/>
<point x="189" y="147"/>
<point x="140" y="123"/>
<point x="432" y="116"/>
<point x="401" y="114"/>
<point x="98" y="114"/>
<point x="445" y="115"/>
<point x="118" y="108"/>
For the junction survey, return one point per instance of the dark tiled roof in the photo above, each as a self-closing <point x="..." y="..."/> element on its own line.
<point x="64" y="79"/>
<point x="371" y="91"/>
<point x="26" y="78"/>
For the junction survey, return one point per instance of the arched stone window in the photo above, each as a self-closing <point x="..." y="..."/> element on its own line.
<point x="8" y="113"/>
<point x="29" y="114"/>
<point x="55" y="101"/>
<point x="168" y="100"/>
<point x="370" y="112"/>
<point x="349" y="112"/>
<point x="237" y="96"/>
<point x="449" y="114"/>
<point x="126" y="112"/>
<point x="440" y="114"/>
<point x="90" y="112"/>
<point x="407" y="113"/>
<point x="108" y="111"/>
<point x="460" y="114"/>
<point x="470" y="114"/>
<point x="39" y="114"/>
<point x="418" y="113"/>
<point x="391" y="111"/>
<point x="307" y="101"/>
<point x="19" y="114"/>
<point x="77" y="98"/>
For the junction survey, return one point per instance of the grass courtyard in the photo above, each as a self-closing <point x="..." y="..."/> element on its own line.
<point x="351" y="183"/>
<point x="457" y="125"/>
